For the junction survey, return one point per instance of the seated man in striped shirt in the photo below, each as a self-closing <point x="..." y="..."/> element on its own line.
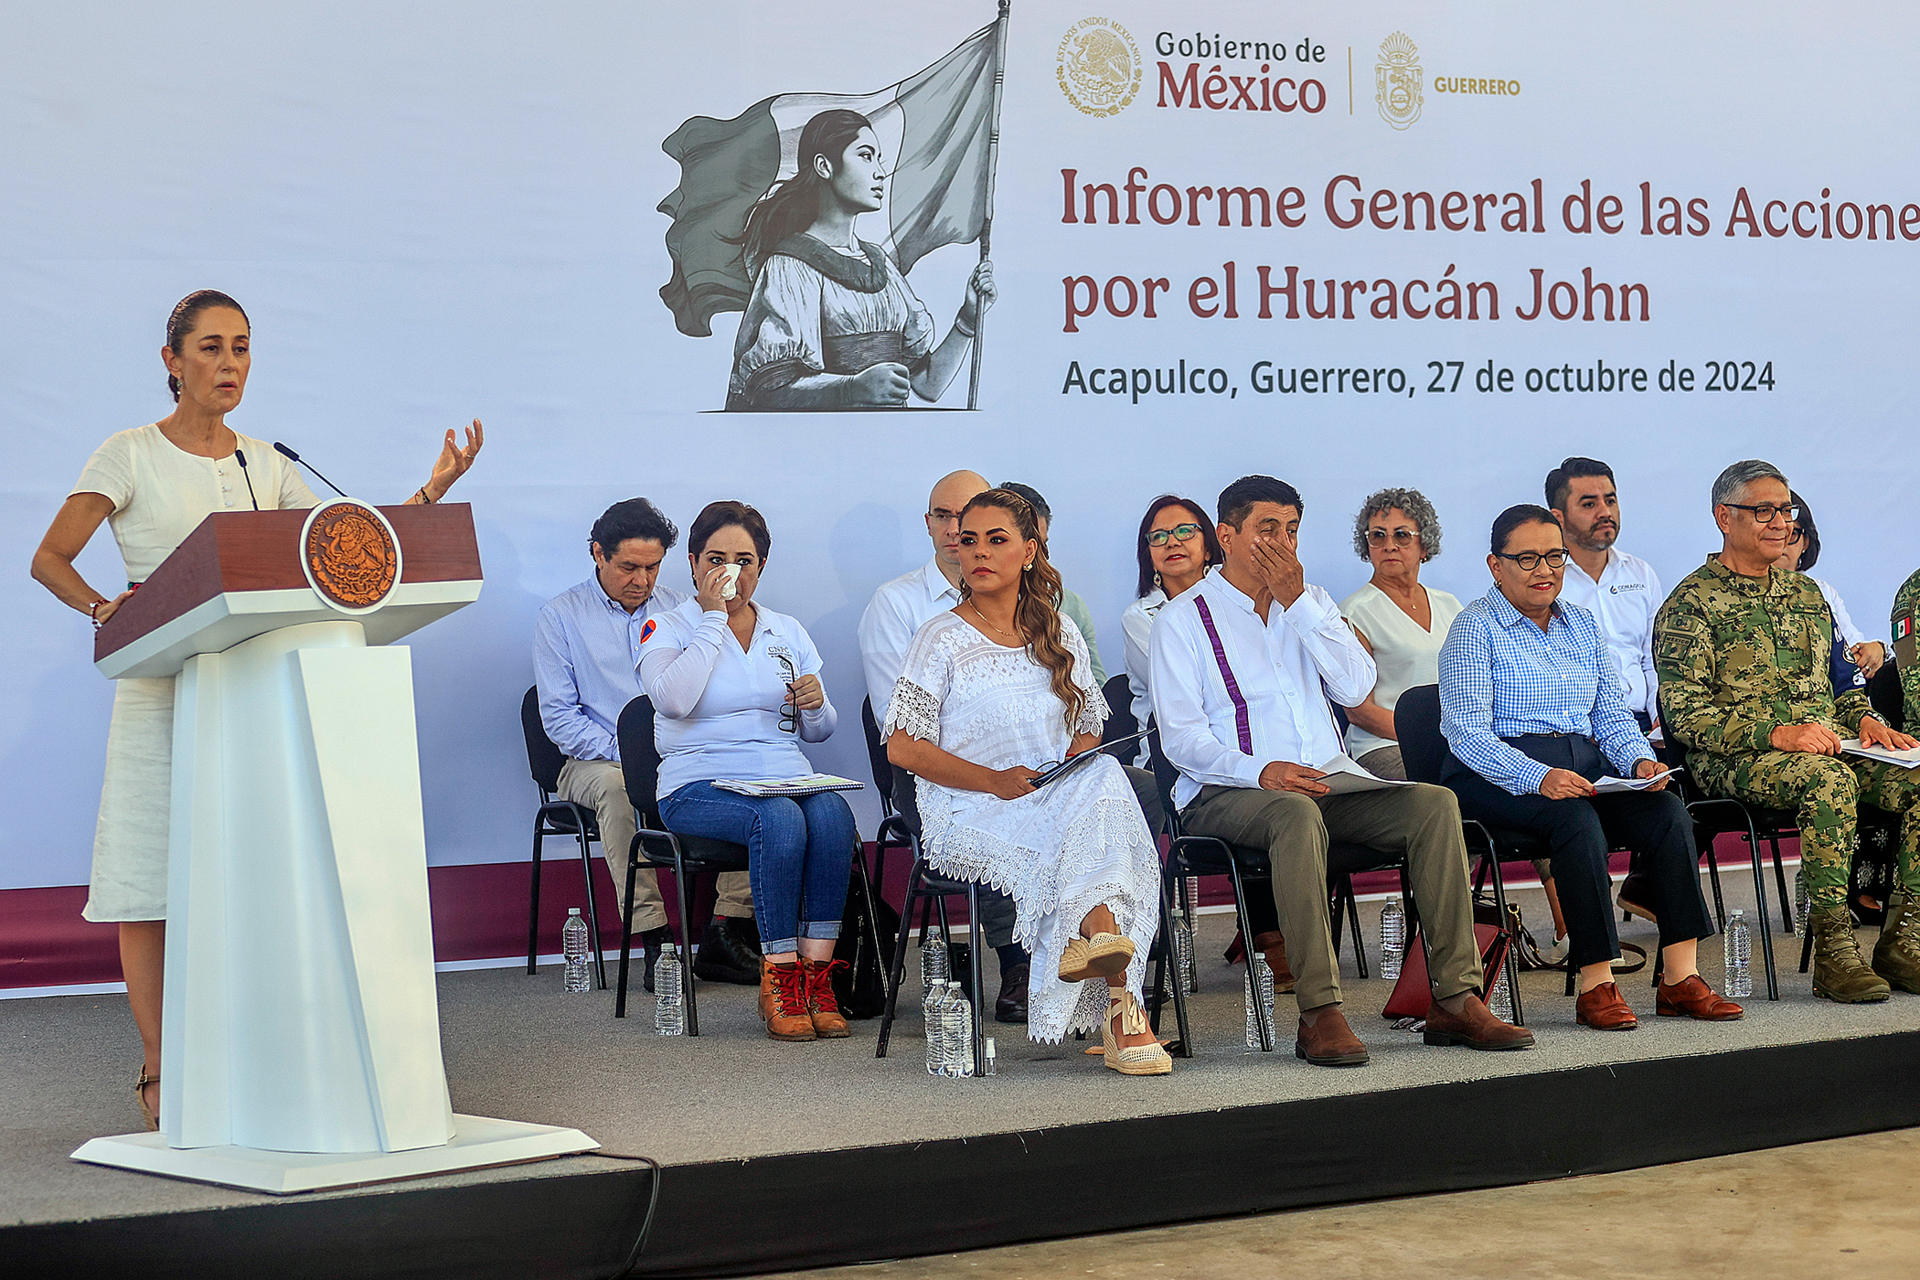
<point x="1533" y="716"/>
<point x="1242" y="666"/>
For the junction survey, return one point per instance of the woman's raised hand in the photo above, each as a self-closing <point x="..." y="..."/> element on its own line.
<point x="453" y="461"/>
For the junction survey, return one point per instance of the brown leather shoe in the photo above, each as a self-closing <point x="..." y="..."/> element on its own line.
<point x="1691" y="997"/>
<point x="1474" y="1026"/>
<point x="823" y="1006"/>
<point x="1329" y="1042"/>
<point x="783" y="1001"/>
<point x="1604" y="1009"/>
<point x="1275" y="948"/>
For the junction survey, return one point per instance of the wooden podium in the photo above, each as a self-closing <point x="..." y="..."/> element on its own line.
<point x="301" y="1035"/>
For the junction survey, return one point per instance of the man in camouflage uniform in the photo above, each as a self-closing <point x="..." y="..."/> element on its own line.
<point x="1906" y="622"/>
<point x="1742" y="649"/>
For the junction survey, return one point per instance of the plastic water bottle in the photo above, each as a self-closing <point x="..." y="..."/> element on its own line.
<point x="1183" y="950"/>
<point x="956" y="1040"/>
<point x="1393" y="939"/>
<point x="1737" y="947"/>
<point x="1193" y="896"/>
<point x="1259" y="986"/>
<point x="1500" y="997"/>
<point x="1802" y="901"/>
<point x="573" y="944"/>
<point x="669" y="1009"/>
<point x="932" y="1011"/>
<point x="935" y="967"/>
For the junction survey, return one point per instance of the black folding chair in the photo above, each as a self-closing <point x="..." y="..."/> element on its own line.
<point x="685" y="855"/>
<point x="653" y="843"/>
<point x="1189" y="854"/>
<point x="930" y="890"/>
<point x="556" y="818"/>
<point x="1120" y="720"/>
<point x="1416" y="723"/>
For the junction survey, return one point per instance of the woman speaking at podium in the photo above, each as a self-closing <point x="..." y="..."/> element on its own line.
<point x="155" y="484"/>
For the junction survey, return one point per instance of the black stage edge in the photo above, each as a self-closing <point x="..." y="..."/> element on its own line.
<point x="735" y="1217"/>
<point x="909" y="1199"/>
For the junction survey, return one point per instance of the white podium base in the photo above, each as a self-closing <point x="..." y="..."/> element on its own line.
<point x="477" y="1143"/>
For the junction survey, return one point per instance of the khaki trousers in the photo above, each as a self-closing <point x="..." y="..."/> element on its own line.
<point x="599" y="785"/>
<point x="1420" y="821"/>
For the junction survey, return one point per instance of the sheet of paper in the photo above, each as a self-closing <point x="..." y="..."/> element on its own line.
<point x="1615" y="786"/>
<point x="1908" y="759"/>
<point x="1343" y="774"/>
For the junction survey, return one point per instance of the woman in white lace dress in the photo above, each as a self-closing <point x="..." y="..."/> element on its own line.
<point x="990" y="691"/>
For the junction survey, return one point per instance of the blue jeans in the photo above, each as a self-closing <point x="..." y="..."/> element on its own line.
<point x="799" y="855"/>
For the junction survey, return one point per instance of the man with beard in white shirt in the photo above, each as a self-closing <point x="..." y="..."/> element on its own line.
<point x="1622" y="592"/>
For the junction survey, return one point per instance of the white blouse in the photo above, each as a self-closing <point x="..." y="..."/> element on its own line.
<point x="1404" y="654"/>
<point x="717" y="706"/>
<point x="161" y="493"/>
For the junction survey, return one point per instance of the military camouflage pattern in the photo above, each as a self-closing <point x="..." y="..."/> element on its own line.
<point x="1906" y="622"/>
<point x="1738" y="657"/>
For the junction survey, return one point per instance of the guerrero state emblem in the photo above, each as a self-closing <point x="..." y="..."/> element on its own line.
<point x="1099" y="66"/>
<point x="350" y="555"/>
<point x="1397" y="81"/>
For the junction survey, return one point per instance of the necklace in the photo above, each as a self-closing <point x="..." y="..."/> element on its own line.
<point x="983" y="617"/>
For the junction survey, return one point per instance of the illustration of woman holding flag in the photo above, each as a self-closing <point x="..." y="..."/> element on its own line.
<point x="831" y="322"/>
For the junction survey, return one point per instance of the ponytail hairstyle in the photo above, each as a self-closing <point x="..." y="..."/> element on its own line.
<point x="180" y="323"/>
<point x="1038" y="612"/>
<point x="792" y="206"/>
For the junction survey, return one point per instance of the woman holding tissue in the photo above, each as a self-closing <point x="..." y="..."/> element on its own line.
<point x="736" y="689"/>
<point x="1532" y="713"/>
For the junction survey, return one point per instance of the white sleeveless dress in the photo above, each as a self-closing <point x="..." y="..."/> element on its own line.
<point x="1058" y="852"/>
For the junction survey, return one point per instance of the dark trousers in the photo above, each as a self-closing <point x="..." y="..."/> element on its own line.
<point x="1578" y="833"/>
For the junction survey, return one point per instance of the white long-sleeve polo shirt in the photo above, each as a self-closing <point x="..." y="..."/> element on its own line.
<point x="1283" y="670"/>
<point x="717" y="706"/>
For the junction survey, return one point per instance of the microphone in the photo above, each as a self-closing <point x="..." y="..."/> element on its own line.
<point x="239" y="456"/>
<point x="291" y="456"/>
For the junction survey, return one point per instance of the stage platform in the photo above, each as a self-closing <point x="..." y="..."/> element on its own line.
<point x="778" y="1156"/>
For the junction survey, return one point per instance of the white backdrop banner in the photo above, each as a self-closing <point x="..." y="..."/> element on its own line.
<point x="1435" y="245"/>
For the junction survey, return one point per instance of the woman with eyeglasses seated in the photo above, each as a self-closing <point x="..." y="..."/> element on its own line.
<point x="736" y="689"/>
<point x="1532" y="713"/>
<point x="1175" y="549"/>
<point x="1399" y="621"/>
<point x="993" y="691"/>
<point x="1801" y="553"/>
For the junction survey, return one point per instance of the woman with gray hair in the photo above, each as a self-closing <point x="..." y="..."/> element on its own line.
<point x="1401" y="623"/>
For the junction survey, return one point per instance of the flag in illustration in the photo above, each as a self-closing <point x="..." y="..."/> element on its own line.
<point x="937" y="123"/>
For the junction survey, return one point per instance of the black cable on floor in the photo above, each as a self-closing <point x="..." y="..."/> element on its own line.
<point x="646" y="1223"/>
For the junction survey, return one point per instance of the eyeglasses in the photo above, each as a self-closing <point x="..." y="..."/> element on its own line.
<point x="1766" y="512"/>
<point x="1528" y="561"/>
<point x="1401" y="537"/>
<point x="789" y="713"/>
<point x="940" y="515"/>
<point x="1179" y="533"/>
<point x="1795" y="534"/>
